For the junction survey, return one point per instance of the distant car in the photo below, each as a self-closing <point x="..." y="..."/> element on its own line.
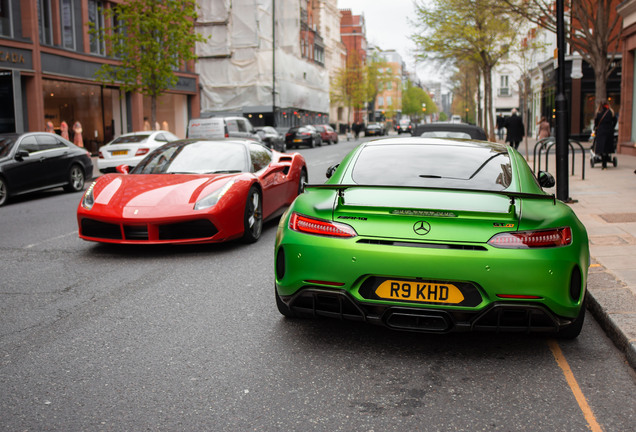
<point x="272" y="138"/>
<point x="450" y="130"/>
<point x="434" y="235"/>
<point x="327" y="134"/>
<point x="375" y="129"/>
<point x="36" y="161"/>
<point x="303" y="135"/>
<point x="456" y="119"/>
<point x="129" y="149"/>
<point x="404" y="126"/>
<point x="222" y="127"/>
<point x="193" y="191"/>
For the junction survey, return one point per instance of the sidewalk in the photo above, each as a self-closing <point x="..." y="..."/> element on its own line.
<point x="606" y="204"/>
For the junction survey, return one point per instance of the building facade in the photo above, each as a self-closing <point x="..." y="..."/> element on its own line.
<point x="627" y="114"/>
<point x="263" y="59"/>
<point x="353" y="34"/>
<point x="48" y="61"/>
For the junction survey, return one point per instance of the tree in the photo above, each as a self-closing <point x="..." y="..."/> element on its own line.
<point x="151" y="40"/>
<point x="465" y="30"/>
<point x="378" y="74"/>
<point x="415" y="99"/>
<point x="595" y="31"/>
<point x="348" y="86"/>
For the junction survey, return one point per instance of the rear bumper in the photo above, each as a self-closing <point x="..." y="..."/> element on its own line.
<point x="497" y="317"/>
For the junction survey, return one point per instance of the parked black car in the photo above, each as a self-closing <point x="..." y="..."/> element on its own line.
<point x="272" y="138"/>
<point x="404" y="126"/>
<point x="302" y="135"/>
<point x="450" y="130"/>
<point x="37" y="161"/>
<point x="375" y="129"/>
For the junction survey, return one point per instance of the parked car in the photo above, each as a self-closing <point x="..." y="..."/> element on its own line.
<point x="375" y="129"/>
<point x="302" y="135"/>
<point x="448" y="236"/>
<point x="193" y="191"/>
<point x="456" y="118"/>
<point x="327" y="134"/>
<point x="129" y="149"/>
<point x="404" y="126"/>
<point x="272" y="138"/>
<point x="220" y="127"/>
<point x="36" y="161"/>
<point x="450" y="130"/>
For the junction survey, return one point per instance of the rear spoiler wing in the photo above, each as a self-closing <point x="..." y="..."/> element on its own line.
<point x="512" y="195"/>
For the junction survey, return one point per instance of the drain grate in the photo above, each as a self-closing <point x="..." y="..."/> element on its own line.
<point x="619" y="217"/>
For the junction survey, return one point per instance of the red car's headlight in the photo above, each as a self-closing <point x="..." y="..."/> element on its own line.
<point x="532" y="239"/>
<point x="308" y="225"/>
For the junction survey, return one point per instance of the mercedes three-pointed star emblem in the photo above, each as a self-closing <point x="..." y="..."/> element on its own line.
<point x="422" y="227"/>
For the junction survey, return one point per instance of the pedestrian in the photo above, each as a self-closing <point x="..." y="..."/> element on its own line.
<point x="356" y="129"/>
<point x="500" y="126"/>
<point x="515" y="129"/>
<point x="49" y="127"/>
<point x="77" y="134"/>
<point x="604" y="124"/>
<point x="544" y="128"/>
<point x="64" y="130"/>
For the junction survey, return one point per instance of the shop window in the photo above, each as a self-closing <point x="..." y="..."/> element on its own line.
<point x="5" y="18"/>
<point x="96" y="19"/>
<point x="67" y="22"/>
<point x="45" y="22"/>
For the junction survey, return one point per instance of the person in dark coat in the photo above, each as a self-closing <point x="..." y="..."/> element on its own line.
<point x="604" y="123"/>
<point x="501" y="121"/>
<point x="515" y="129"/>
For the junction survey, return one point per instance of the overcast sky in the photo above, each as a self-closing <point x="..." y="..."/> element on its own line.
<point x="388" y="27"/>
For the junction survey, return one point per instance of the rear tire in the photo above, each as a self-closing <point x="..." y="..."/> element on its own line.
<point x="574" y="329"/>
<point x="302" y="181"/>
<point x="253" y="216"/>
<point x="76" y="179"/>
<point x="282" y="307"/>
<point x="4" y="192"/>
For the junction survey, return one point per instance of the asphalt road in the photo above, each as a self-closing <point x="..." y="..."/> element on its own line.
<point x="96" y="337"/>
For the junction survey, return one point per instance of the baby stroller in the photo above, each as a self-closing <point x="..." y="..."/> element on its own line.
<point x="598" y="158"/>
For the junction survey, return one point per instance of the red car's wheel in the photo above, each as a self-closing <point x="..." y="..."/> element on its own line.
<point x="253" y="217"/>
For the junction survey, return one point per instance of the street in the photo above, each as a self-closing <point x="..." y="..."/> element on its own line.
<point x="119" y="338"/>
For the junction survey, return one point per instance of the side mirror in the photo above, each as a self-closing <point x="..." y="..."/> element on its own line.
<point x="332" y="169"/>
<point x="546" y="180"/>
<point x="122" y="169"/>
<point x="21" y="154"/>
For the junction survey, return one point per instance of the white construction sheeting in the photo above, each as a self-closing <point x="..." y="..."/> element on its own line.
<point x="235" y="64"/>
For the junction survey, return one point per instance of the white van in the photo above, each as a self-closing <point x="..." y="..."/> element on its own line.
<point x="222" y="127"/>
<point x="456" y="119"/>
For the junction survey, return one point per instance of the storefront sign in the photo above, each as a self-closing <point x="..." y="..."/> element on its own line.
<point x="15" y="58"/>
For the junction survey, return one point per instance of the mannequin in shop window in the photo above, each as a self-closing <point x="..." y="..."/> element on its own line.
<point x="64" y="130"/>
<point x="77" y="137"/>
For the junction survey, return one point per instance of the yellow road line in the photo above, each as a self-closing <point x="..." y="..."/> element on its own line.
<point x="574" y="386"/>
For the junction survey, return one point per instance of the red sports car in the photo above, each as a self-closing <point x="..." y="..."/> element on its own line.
<point x="192" y="191"/>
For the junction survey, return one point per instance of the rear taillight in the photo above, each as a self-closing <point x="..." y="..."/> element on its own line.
<point x="532" y="239"/>
<point x="101" y="156"/>
<point x="308" y="225"/>
<point x="142" y="151"/>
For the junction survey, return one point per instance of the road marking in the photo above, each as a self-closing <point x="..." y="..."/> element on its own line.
<point x="51" y="239"/>
<point x="574" y="386"/>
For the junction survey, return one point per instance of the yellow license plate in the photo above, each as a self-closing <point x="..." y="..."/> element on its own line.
<point x="426" y="292"/>
<point x="298" y="140"/>
<point x="119" y="152"/>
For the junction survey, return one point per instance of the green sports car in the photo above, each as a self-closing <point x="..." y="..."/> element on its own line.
<point x="434" y="235"/>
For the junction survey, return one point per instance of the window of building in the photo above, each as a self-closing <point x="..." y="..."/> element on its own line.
<point x="389" y="100"/>
<point x="380" y="101"/>
<point x="45" y="22"/>
<point x="5" y="18"/>
<point x="67" y="22"/>
<point x="96" y="18"/>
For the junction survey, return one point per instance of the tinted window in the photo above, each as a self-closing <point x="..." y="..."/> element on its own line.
<point x="130" y="139"/>
<point x="30" y="144"/>
<point x="6" y="144"/>
<point x="242" y="125"/>
<point x="48" y="142"/>
<point x="261" y="157"/>
<point x="463" y="167"/>
<point x="199" y="157"/>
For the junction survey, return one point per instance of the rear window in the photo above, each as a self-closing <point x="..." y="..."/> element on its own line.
<point x="130" y="139"/>
<point x="462" y="167"/>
